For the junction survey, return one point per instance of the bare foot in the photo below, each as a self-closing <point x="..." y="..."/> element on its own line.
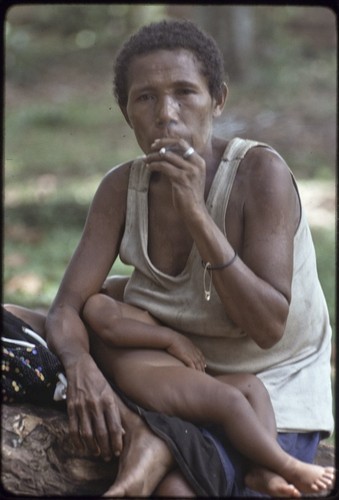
<point x="144" y="461"/>
<point x="270" y="483"/>
<point x="308" y="478"/>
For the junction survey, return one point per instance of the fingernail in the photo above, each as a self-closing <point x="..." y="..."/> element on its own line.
<point x="117" y="453"/>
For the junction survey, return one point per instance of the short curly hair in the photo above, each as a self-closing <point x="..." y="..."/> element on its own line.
<point x="169" y="35"/>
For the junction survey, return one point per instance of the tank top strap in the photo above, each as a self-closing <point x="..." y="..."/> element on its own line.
<point x="139" y="175"/>
<point x="221" y="188"/>
<point x="238" y="147"/>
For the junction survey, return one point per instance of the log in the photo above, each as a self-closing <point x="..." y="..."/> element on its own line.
<point x="39" y="459"/>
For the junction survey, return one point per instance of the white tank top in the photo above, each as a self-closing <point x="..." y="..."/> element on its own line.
<point x="296" y="371"/>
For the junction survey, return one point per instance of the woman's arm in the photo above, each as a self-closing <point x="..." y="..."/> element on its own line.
<point x="256" y="289"/>
<point x="90" y="400"/>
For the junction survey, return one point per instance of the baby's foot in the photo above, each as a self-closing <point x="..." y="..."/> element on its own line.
<point x="308" y="478"/>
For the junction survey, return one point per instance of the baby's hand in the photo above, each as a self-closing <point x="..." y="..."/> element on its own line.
<point x="184" y="350"/>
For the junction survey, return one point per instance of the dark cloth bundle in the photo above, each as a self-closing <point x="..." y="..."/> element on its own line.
<point x="29" y="370"/>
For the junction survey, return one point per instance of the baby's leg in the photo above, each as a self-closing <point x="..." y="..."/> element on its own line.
<point x="194" y="396"/>
<point x="260" y="478"/>
<point x="256" y="394"/>
<point x="197" y="397"/>
<point x="103" y="315"/>
<point x="114" y="287"/>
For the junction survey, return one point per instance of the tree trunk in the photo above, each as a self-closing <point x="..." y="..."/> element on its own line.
<point x="233" y="27"/>
<point x="38" y="458"/>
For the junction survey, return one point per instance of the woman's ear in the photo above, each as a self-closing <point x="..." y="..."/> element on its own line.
<point x="220" y="100"/>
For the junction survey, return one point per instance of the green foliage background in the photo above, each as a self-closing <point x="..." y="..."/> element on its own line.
<point x="63" y="130"/>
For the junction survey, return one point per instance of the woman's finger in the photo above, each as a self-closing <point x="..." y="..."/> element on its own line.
<point x="101" y="435"/>
<point x="88" y="434"/>
<point x="73" y="424"/>
<point x="116" y="431"/>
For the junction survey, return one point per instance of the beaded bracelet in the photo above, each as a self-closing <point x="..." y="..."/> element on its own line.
<point x="208" y="267"/>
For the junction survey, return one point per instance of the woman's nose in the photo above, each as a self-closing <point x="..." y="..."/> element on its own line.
<point x="167" y="110"/>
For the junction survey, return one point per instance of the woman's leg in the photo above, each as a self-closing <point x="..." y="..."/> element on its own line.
<point x="174" y="485"/>
<point x="33" y="318"/>
<point x="145" y="459"/>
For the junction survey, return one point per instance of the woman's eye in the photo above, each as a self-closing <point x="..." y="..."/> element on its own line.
<point x="185" y="91"/>
<point x="145" y="97"/>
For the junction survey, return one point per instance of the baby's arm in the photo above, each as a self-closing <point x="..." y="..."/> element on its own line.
<point x="106" y="320"/>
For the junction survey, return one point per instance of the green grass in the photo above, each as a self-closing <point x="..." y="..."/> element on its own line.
<point x="35" y="261"/>
<point x="73" y="139"/>
<point x="324" y="241"/>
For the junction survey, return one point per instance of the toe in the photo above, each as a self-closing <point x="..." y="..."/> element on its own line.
<point x="322" y="484"/>
<point x="295" y="493"/>
<point x="290" y="490"/>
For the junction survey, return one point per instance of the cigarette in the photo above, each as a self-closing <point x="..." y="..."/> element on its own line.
<point x="164" y="150"/>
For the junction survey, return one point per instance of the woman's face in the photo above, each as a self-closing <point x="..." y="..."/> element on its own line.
<point x="168" y="96"/>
